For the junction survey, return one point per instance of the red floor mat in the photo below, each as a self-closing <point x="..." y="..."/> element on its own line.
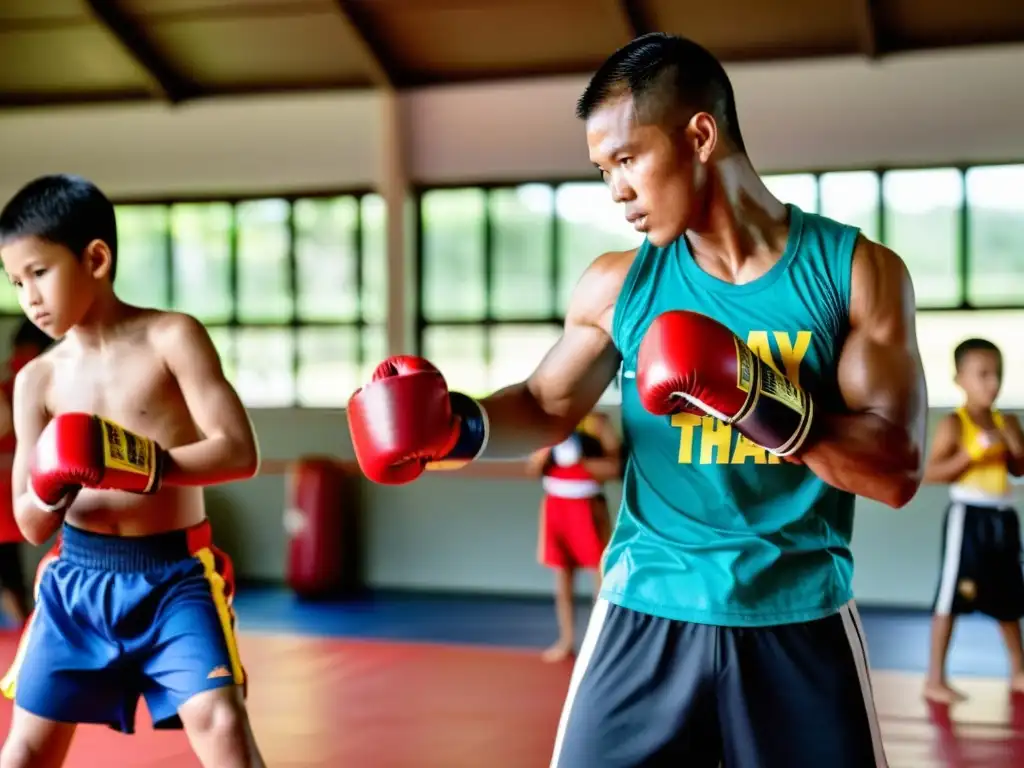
<point x="336" y="703"/>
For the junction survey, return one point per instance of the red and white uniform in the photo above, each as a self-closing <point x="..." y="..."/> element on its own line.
<point x="9" y="532"/>
<point x="572" y="534"/>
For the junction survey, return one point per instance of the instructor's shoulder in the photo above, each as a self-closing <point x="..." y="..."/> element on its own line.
<point x="593" y="299"/>
<point x="881" y="289"/>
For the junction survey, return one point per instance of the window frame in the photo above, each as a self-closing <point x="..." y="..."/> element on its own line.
<point x="488" y="321"/>
<point x="295" y="324"/>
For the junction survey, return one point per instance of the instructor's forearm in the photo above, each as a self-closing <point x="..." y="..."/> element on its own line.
<point x="214" y="460"/>
<point x="36" y="525"/>
<point x="866" y="455"/>
<point x="518" y="425"/>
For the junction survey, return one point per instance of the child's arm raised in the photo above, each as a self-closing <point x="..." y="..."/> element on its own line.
<point x="536" y="461"/>
<point x="948" y="459"/>
<point x="609" y="466"/>
<point x="1014" y="439"/>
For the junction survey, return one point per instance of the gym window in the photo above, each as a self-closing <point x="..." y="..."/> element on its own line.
<point x="497" y="268"/>
<point x="498" y="263"/>
<point x="292" y="290"/>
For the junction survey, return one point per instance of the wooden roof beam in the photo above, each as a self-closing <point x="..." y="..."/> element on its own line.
<point x="383" y="71"/>
<point x="166" y="82"/>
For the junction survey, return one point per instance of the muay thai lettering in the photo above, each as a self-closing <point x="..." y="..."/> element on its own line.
<point x="718" y="444"/>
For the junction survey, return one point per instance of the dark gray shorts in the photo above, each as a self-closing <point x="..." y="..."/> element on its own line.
<point x="981" y="563"/>
<point x="648" y="691"/>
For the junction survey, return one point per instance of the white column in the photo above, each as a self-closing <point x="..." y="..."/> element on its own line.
<point x="394" y="187"/>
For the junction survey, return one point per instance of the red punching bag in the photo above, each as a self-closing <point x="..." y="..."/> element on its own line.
<point x="320" y="554"/>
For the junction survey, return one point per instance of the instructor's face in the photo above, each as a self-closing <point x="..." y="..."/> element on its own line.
<point x="654" y="170"/>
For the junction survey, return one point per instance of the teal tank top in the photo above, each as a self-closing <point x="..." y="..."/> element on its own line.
<point x="712" y="529"/>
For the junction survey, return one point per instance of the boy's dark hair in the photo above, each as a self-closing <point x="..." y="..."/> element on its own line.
<point x="964" y="348"/>
<point x="29" y="335"/>
<point x="62" y="209"/>
<point x="662" y="72"/>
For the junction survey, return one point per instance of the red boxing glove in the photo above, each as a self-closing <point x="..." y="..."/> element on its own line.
<point x="78" y="450"/>
<point x="405" y="421"/>
<point x="688" y="361"/>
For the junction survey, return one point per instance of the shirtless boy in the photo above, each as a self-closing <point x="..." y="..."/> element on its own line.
<point x="118" y="430"/>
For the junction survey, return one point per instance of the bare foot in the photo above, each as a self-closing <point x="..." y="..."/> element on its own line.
<point x="1017" y="683"/>
<point x="940" y="693"/>
<point x="560" y="651"/>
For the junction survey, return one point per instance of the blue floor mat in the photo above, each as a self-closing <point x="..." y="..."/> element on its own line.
<point x="897" y="640"/>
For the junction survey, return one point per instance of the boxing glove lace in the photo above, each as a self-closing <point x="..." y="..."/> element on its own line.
<point x="687" y="362"/>
<point x="405" y="422"/>
<point x="80" y="450"/>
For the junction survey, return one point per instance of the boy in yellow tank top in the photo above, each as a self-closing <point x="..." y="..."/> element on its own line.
<point x="976" y="449"/>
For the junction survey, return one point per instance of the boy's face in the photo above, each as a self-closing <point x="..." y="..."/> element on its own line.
<point x="55" y="288"/>
<point x="980" y="376"/>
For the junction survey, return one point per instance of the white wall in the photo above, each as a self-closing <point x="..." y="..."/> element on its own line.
<point x="927" y="108"/>
<point x="227" y="146"/>
<point x="447" y="533"/>
<point x="451" y="533"/>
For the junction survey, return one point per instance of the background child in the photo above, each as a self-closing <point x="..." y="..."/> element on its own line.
<point x="28" y="343"/>
<point x="574" y="520"/>
<point x="976" y="449"/>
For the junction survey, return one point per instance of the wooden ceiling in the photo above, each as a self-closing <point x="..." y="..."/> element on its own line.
<point x="55" y="52"/>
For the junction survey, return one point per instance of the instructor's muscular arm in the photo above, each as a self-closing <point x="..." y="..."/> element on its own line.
<point x="227" y="450"/>
<point x="30" y="419"/>
<point x="405" y="420"/>
<point x="544" y="409"/>
<point x="876" y="448"/>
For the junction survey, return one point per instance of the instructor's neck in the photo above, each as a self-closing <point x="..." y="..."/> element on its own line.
<point x="740" y="218"/>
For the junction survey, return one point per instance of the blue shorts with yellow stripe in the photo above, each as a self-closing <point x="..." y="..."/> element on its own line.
<point x="118" y="618"/>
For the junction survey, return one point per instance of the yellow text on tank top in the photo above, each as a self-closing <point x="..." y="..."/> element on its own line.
<point x="987" y="479"/>
<point x="716" y="439"/>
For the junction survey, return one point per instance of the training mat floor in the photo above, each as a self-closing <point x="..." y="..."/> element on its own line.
<point x="325" y="703"/>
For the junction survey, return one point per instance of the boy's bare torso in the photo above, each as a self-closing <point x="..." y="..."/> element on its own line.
<point x="126" y="381"/>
